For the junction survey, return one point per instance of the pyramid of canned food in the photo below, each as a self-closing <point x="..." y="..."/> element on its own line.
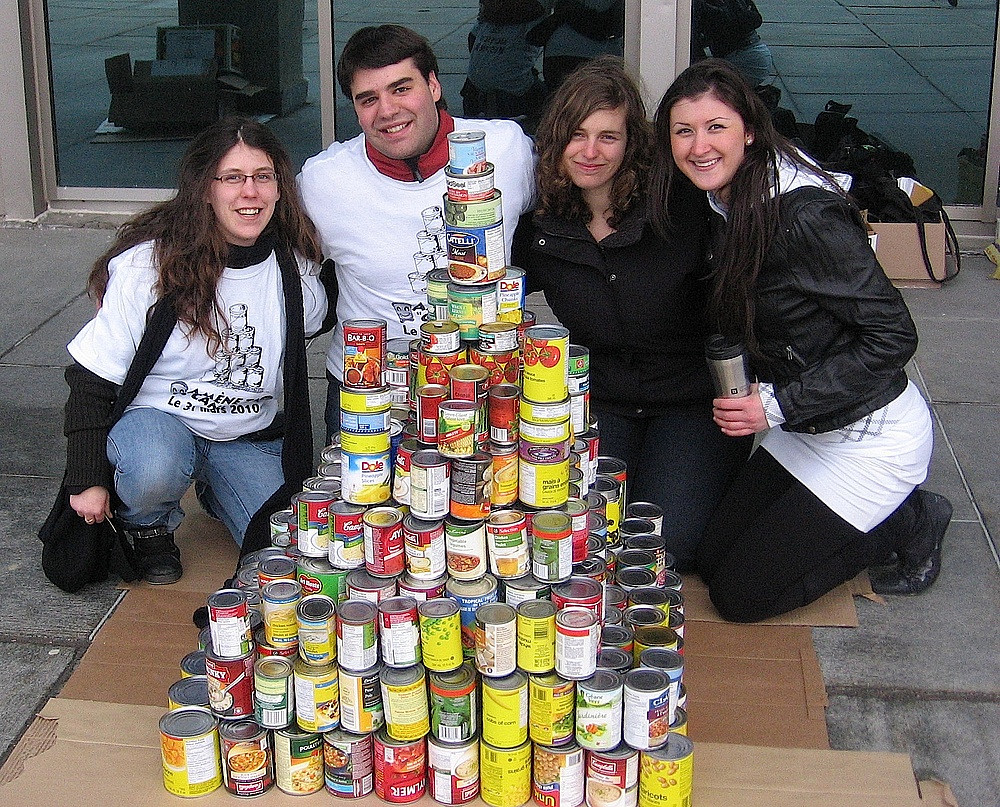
<point x="460" y="603"/>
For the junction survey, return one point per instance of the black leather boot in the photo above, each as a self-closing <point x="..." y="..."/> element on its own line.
<point x="156" y="553"/>
<point x="919" y="547"/>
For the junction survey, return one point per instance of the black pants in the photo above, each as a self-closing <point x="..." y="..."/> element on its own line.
<point x="773" y="546"/>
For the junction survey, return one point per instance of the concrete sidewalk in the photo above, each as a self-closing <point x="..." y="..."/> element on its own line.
<point x="919" y="675"/>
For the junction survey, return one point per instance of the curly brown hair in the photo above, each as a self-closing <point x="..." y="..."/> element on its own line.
<point x="190" y="249"/>
<point x="600" y="83"/>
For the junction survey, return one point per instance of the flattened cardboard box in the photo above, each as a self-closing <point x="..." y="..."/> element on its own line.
<point x="109" y="754"/>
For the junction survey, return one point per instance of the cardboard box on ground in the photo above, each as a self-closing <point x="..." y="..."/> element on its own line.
<point x="756" y="704"/>
<point x="897" y="244"/>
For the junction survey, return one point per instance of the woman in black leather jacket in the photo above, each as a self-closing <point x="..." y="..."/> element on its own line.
<point x="635" y="299"/>
<point x="833" y="487"/>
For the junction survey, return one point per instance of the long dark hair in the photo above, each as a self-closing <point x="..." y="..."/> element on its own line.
<point x="752" y="219"/>
<point x="190" y="249"/>
<point x="600" y="83"/>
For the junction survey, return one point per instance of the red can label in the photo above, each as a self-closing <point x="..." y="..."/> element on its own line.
<point x="230" y="685"/>
<point x="502" y="365"/>
<point x="246" y="764"/>
<point x="433" y="368"/>
<point x="502" y="403"/>
<point x="400" y="770"/>
<point x="347" y="545"/>
<point x="364" y="353"/>
<point x="429" y="397"/>
<point x="384" y="548"/>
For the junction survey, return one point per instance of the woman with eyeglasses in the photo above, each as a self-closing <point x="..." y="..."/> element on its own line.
<point x="211" y="295"/>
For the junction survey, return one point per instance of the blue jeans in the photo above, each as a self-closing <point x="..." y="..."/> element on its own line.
<point x="156" y="458"/>
<point x="677" y="459"/>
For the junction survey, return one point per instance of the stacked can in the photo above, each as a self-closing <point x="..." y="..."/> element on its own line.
<point x="365" y="404"/>
<point x="579" y="388"/>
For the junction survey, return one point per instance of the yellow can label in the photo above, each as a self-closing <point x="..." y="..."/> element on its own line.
<point x="317" y="697"/>
<point x="406" y="714"/>
<point x="192" y="766"/>
<point x="505" y="775"/>
<point x="545" y="373"/>
<point x="536" y="643"/>
<point x="375" y="443"/>
<point x="665" y="782"/>
<point x="505" y="716"/>
<point x="441" y="641"/>
<point x="503" y="483"/>
<point x="543" y="485"/>
<point x="281" y="627"/>
<point x="550" y="710"/>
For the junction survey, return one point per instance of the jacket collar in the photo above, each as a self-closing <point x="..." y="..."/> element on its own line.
<point x="419" y="168"/>
<point x="629" y="231"/>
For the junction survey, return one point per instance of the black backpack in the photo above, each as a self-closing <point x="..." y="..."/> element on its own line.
<point x="724" y="25"/>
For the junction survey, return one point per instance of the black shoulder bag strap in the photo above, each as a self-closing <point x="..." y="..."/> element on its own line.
<point x="154" y="339"/>
<point x="951" y="239"/>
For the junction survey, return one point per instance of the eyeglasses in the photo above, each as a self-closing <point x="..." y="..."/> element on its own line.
<point x="260" y="178"/>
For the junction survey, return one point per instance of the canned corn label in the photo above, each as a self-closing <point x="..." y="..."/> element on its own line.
<point x="558" y="777"/>
<point x="505" y="775"/>
<point x="505" y="714"/>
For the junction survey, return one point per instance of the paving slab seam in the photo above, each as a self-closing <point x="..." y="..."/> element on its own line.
<point x="900" y="694"/>
<point x="39" y="327"/>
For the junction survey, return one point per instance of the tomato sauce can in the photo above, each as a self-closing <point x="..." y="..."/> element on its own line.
<point x="274" y="692"/>
<point x="348" y="764"/>
<point x="404" y="698"/>
<point x="246" y="758"/>
<point x="364" y="353"/>
<point x="468" y="382"/>
<point x="613" y="777"/>
<point x="470" y="486"/>
<point x="470" y="594"/>
<point x="430" y="485"/>
<point x="400" y="768"/>
<point x="507" y="544"/>
<point x="578" y="634"/>
<point x="505" y="774"/>
<point x="505" y="710"/>
<point x="317" y="696"/>
<point x="366" y="478"/>
<point x="440" y="335"/>
<point x="432" y="368"/>
<point x="453" y="705"/>
<point x="316" y="615"/>
<point x="600" y="710"/>
<point x="347" y="539"/>
<point x="423" y="544"/>
<point x="496" y="639"/>
<point x="278" y="602"/>
<point x="465" y="548"/>
<point x="189" y="750"/>
<point x="229" y="622"/>
<point x="552" y="546"/>
<point x="536" y="636"/>
<point x="361" y="708"/>
<point x="551" y="700"/>
<point x="665" y="774"/>
<point x="545" y="377"/>
<point x="440" y="634"/>
<point x="453" y="771"/>
<point x="558" y="776"/>
<point x="399" y="633"/>
<point x="502" y="366"/>
<point x="298" y="761"/>
<point x="230" y="685"/>
<point x="467" y="152"/>
<point x="647" y="708"/>
<point x="502" y="405"/>
<point x="383" y="536"/>
<point x="357" y="647"/>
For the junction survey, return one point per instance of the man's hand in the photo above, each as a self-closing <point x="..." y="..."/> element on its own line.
<point x="93" y="505"/>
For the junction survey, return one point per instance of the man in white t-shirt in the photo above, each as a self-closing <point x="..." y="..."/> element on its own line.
<point x="377" y="200"/>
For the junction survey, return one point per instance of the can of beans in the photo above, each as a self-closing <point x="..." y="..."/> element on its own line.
<point x="440" y="335"/>
<point x="453" y="771"/>
<point x="470" y="486"/>
<point x="356" y="635"/>
<point x="578" y="635"/>
<point x="279" y="600"/>
<point x="647" y="708"/>
<point x="470" y="594"/>
<point x="551" y="699"/>
<point x="580" y="592"/>
<point x="274" y="693"/>
<point x="364" y="352"/>
<point x="505" y="710"/>
<point x="317" y="696"/>
<point x="467" y="152"/>
<point x="366" y="478"/>
<point x="507" y="543"/>
<point x="558" y="776"/>
<point x="502" y="406"/>
<point x="505" y="774"/>
<point x="230" y="685"/>
<point x="404" y="698"/>
<point x="400" y="768"/>
<point x="472" y="305"/>
<point x="361" y="708"/>
<point x="399" y="634"/>
<point x="191" y="690"/>
<point x="496" y="639"/>
<point x="383" y="537"/>
<point x="453" y="704"/>
<point x="600" y="710"/>
<point x="551" y="546"/>
<point x="189" y="749"/>
<point x="546" y="369"/>
<point x="298" y="761"/>
<point x="613" y="777"/>
<point x="468" y="187"/>
<point x="229" y="621"/>
<point x="246" y="758"/>
<point x="665" y="773"/>
<point x="348" y="763"/>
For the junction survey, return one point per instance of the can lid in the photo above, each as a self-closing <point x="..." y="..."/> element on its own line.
<point x="551" y="521"/>
<point x="495" y="613"/>
<point x="240" y="730"/>
<point x="646" y="679"/>
<point x="660" y="658"/>
<point x="357" y="611"/>
<point x="480" y="587"/>
<point x="282" y="590"/>
<point x="316" y="565"/>
<point x="676" y="747"/>
<point x="188" y="721"/>
<point x="316" y="607"/>
<point x="459" y="678"/>
<point x="515" y="680"/>
<point x="273" y="667"/>
<point x="401" y="676"/>
<point x="576" y="617"/>
<point x="614" y="658"/>
<point x="536" y="609"/>
<point x="226" y="598"/>
<point x="190" y="691"/>
<point x="578" y="588"/>
<point x="397" y="605"/>
<point x="603" y="680"/>
<point x="438" y="607"/>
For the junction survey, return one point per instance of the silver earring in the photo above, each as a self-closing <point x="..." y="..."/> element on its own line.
<point x="749" y="141"/>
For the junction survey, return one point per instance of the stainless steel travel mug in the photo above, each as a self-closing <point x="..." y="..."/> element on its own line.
<point x="727" y="362"/>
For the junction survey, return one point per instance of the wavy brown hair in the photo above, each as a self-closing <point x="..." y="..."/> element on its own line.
<point x="754" y="198"/>
<point x="190" y="249"/>
<point x="600" y="83"/>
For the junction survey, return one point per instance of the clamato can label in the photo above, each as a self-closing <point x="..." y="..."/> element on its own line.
<point x="613" y="777"/>
<point x="551" y="700"/>
<point x="453" y="704"/>
<point x="348" y="763"/>
<point x="298" y="761"/>
<point x="400" y="768"/>
<point x="189" y="748"/>
<point x="505" y="774"/>
<point x="665" y="774"/>
<point x="364" y="353"/>
<point x="399" y="633"/>
<point x="246" y="758"/>
<point x="361" y="709"/>
<point x="440" y="634"/>
<point x="558" y="776"/>
<point x="453" y="771"/>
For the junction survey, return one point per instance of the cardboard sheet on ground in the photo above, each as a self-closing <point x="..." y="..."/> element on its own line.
<point x="111" y="752"/>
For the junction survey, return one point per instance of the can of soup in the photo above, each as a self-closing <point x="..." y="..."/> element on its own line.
<point x="246" y="758"/>
<point x="361" y="708"/>
<point x="348" y="764"/>
<point x="400" y="768"/>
